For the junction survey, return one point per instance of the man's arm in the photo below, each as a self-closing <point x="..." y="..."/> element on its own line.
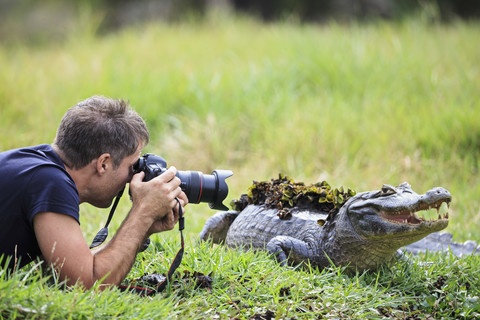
<point x="62" y="243"/>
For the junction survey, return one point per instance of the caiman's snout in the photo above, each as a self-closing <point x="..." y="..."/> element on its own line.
<point x="436" y="194"/>
<point x="406" y="209"/>
<point x="419" y="204"/>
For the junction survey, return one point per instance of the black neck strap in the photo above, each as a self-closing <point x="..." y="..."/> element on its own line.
<point x="103" y="233"/>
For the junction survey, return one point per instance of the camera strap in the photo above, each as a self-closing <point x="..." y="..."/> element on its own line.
<point x="103" y="233"/>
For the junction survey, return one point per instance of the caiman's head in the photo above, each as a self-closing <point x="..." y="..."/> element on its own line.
<point x="394" y="214"/>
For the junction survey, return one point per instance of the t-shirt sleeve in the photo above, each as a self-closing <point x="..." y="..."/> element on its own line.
<point x="52" y="190"/>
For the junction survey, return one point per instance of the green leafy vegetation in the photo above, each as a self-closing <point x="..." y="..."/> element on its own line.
<point x="252" y="285"/>
<point x="357" y="105"/>
<point x="284" y="194"/>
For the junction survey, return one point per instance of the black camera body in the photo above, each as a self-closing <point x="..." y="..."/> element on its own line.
<point x="198" y="187"/>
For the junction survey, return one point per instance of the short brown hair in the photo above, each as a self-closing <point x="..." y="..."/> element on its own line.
<point x="100" y="125"/>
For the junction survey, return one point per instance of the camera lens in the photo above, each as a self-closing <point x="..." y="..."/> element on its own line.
<point x="198" y="187"/>
<point x="210" y="188"/>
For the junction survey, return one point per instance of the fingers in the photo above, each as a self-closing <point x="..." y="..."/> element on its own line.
<point x="171" y="180"/>
<point x="183" y="199"/>
<point x="137" y="178"/>
<point x="168" y="222"/>
<point x="168" y="175"/>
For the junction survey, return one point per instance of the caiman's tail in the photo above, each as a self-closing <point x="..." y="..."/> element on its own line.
<point x="442" y="242"/>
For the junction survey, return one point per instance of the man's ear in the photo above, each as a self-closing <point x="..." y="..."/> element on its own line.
<point x="104" y="163"/>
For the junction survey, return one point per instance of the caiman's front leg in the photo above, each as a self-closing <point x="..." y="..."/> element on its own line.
<point x="287" y="248"/>
<point x="216" y="227"/>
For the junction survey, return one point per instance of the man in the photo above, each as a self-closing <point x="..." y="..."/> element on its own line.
<point x="91" y="160"/>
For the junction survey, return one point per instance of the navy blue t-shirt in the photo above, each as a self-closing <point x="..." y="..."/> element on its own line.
<point x="32" y="180"/>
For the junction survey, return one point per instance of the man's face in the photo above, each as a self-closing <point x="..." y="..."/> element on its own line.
<point x="114" y="180"/>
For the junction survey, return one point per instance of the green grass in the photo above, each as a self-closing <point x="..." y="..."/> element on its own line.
<point x="249" y="285"/>
<point x="358" y="105"/>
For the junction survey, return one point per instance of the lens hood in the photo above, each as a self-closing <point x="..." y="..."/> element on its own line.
<point x="222" y="189"/>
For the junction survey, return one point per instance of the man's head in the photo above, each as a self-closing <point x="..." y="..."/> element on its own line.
<point x="96" y="126"/>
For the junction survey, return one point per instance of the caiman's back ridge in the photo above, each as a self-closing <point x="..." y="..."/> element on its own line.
<point x="365" y="232"/>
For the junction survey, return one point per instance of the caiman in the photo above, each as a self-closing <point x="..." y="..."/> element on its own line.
<point x="365" y="232"/>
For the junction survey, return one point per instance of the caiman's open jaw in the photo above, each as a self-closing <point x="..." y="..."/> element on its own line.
<point x="398" y="212"/>
<point x="416" y="215"/>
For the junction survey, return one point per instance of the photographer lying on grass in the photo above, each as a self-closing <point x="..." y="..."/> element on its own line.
<point x="91" y="160"/>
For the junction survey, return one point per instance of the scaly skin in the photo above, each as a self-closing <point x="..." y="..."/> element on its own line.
<point x="366" y="232"/>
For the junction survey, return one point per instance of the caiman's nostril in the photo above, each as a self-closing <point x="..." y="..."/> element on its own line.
<point x="438" y="192"/>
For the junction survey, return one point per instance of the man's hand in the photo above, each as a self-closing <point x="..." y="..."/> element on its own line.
<point x="157" y="198"/>
<point x="170" y="220"/>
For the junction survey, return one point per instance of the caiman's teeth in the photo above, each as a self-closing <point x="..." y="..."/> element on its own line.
<point x="429" y="213"/>
<point x="444" y="208"/>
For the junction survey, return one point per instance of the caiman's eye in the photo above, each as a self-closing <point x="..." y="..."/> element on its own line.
<point x="388" y="189"/>
<point x="405" y="185"/>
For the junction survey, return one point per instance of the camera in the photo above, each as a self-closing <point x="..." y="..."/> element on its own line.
<point x="198" y="187"/>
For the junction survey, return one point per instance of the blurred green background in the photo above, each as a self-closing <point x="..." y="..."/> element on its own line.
<point x="356" y="93"/>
